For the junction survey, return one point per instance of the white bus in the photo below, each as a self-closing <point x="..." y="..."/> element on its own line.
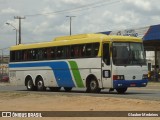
<point x="91" y="61"/>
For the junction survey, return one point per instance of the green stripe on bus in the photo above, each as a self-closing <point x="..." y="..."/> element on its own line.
<point x="76" y="74"/>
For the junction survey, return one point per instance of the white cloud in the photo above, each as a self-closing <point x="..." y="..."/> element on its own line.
<point x="39" y="29"/>
<point x="106" y="13"/>
<point x="48" y="10"/>
<point x="62" y="28"/>
<point x="73" y="1"/>
<point x="9" y="11"/>
<point x="142" y="4"/>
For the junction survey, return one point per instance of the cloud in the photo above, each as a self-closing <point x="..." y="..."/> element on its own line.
<point x="141" y="4"/>
<point x="62" y="29"/>
<point x="73" y="1"/>
<point x="124" y="14"/>
<point x="48" y="10"/>
<point x="39" y="29"/>
<point x="9" y="11"/>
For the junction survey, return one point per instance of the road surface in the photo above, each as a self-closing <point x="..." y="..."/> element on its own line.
<point x="151" y="92"/>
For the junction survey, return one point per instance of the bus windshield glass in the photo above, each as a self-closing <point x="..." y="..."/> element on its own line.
<point x="128" y="54"/>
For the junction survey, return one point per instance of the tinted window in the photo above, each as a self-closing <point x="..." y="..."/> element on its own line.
<point x="88" y="50"/>
<point x="106" y="53"/>
<point x="95" y="49"/>
<point x="60" y="52"/>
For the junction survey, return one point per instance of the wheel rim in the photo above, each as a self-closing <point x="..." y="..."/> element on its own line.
<point x="40" y="84"/>
<point x="93" y="85"/>
<point x="29" y="85"/>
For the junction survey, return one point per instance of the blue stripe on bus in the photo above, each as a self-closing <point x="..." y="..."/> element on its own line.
<point x="60" y="70"/>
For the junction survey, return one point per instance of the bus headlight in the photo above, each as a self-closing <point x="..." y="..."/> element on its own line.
<point x="118" y="77"/>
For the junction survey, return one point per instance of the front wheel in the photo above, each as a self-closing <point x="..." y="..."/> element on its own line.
<point x="121" y="90"/>
<point x="93" y="86"/>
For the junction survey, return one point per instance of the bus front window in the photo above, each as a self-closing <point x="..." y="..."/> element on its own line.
<point x="128" y="54"/>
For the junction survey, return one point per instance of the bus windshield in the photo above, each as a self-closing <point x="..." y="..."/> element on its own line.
<point x="128" y="54"/>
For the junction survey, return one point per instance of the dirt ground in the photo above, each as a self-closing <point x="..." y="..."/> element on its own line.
<point x="32" y="101"/>
<point x="22" y="101"/>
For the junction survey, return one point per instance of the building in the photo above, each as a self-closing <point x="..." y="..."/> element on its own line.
<point x="4" y="65"/>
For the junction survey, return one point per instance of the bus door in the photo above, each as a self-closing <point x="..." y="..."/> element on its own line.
<point x="106" y="66"/>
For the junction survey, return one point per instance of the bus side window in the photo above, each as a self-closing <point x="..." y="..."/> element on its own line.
<point x="60" y="52"/>
<point x="88" y="50"/>
<point x="45" y="54"/>
<point x="48" y="53"/>
<point x="23" y="55"/>
<point x="95" y="49"/>
<point x="106" y="53"/>
<point x="68" y="52"/>
<point x="40" y="54"/>
<point x="34" y="54"/>
<point x="82" y="50"/>
<point x="74" y="51"/>
<point x="18" y="56"/>
<point x="13" y="56"/>
<point x="53" y="53"/>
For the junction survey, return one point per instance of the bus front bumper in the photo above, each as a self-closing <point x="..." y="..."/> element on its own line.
<point x="129" y="83"/>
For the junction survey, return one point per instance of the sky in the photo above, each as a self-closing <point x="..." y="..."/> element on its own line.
<point x="46" y="19"/>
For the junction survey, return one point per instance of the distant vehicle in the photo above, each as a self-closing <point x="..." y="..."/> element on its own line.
<point x="5" y="79"/>
<point x="91" y="61"/>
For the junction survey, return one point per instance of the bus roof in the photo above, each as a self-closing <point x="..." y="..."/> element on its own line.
<point x="76" y="39"/>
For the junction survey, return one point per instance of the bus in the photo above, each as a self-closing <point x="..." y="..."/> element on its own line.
<point x="90" y="61"/>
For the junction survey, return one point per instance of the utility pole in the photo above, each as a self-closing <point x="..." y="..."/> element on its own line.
<point x="18" y="17"/>
<point x="70" y="23"/>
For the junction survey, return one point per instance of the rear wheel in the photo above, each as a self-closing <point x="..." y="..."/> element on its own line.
<point x="67" y="89"/>
<point x="121" y="90"/>
<point x="40" y="84"/>
<point x="93" y="86"/>
<point x="55" y="89"/>
<point x="30" y="86"/>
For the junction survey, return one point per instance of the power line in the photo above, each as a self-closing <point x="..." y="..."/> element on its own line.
<point x="81" y="8"/>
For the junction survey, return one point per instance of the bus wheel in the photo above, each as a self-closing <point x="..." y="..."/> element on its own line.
<point x="40" y="84"/>
<point x="55" y="89"/>
<point x="93" y="86"/>
<point x="30" y="86"/>
<point x="121" y="90"/>
<point x="67" y="89"/>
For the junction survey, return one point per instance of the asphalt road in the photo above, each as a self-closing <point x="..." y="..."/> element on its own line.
<point x="151" y="92"/>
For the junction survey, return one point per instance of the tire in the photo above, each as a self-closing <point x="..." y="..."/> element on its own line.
<point x="121" y="90"/>
<point x="30" y="86"/>
<point x="55" y="89"/>
<point x="40" y="84"/>
<point x="67" y="89"/>
<point x="93" y="87"/>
